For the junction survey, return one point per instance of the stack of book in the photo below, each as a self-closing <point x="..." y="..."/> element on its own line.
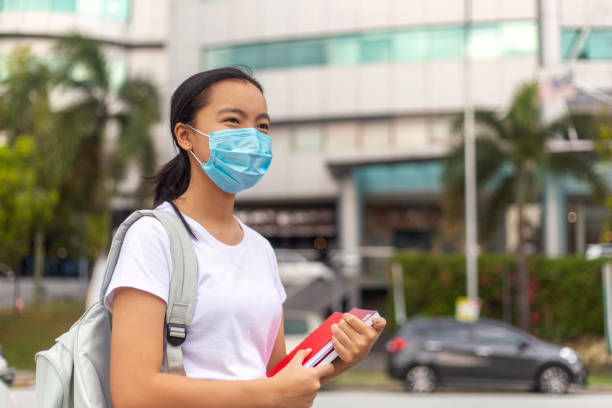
<point x="320" y="341"/>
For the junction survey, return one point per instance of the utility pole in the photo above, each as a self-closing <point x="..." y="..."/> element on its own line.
<point x="550" y="61"/>
<point x="471" y="230"/>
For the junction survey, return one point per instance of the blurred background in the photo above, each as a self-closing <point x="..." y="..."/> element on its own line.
<point x="375" y="107"/>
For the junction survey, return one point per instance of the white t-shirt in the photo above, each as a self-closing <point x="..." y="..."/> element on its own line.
<point x="239" y="302"/>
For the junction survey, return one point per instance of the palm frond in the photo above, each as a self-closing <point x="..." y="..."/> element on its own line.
<point x="497" y="203"/>
<point x="581" y="168"/>
<point x="81" y="64"/>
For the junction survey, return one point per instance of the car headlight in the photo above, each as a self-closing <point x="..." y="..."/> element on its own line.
<point x="568" y="355"/>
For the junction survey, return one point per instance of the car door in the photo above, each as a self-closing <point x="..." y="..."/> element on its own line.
<point x="450" y="344"/>
<point x="501" y="354"/>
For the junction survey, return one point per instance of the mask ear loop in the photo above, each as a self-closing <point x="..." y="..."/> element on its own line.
<point x="203" y="134"/>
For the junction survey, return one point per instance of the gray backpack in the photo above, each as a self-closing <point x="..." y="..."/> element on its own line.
<point x="75" y="371"/>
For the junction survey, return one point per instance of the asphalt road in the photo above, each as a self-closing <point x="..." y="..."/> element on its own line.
<point x="373" y="399"/>
<point x="359" y="399"/>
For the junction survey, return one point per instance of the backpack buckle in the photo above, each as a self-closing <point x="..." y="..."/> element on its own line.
<point x="176" y="333"/>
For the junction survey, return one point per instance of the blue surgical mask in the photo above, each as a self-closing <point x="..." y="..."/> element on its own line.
<point x="238" y="157"/>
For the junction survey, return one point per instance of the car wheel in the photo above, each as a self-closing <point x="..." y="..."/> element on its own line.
<point x="553" y="380"/>
<point x="420" y="379"/>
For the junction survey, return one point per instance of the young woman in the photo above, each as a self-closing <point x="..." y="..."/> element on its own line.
<point x="220" y="125"/>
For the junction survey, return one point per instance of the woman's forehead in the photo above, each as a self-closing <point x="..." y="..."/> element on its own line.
<point x="239" y="93"/>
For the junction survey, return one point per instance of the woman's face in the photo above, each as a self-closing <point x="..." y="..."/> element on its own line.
<point x="232" y="104"/>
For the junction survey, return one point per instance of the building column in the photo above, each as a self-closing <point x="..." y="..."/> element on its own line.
<point x="555" y="223"/>
<point x="554" y="196"/>
<point x="580" y="229"/>
<point x="349" y="236"/>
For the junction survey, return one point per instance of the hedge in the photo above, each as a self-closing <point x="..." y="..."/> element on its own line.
<point x="566" y="294"/>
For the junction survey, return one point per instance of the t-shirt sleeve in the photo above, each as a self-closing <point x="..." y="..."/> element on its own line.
<point x="144" y="262"/>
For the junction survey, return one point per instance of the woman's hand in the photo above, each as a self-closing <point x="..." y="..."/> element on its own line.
<point x="353" y="339"/>
<point x="297" y="386"/>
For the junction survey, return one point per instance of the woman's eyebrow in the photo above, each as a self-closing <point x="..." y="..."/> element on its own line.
<point x="263" y="116"/>
<point x="240" y="112"/>
<point x="231" y="110"/>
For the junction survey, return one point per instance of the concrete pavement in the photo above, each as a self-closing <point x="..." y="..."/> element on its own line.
<point x="359" y="399"/>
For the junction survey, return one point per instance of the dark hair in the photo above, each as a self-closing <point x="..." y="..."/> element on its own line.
<point x="172" y="179"/>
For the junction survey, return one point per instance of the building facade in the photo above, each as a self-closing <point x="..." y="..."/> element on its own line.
<point x="362" y="95"/>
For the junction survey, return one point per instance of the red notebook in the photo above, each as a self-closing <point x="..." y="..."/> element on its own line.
<point x="320" y="341"/>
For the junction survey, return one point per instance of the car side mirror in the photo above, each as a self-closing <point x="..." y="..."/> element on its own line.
<point x="523" y="344"/>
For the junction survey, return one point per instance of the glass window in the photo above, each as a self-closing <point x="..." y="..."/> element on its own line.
<point x="249" y="55"/>
<point x="115" y="9"/>
<point x="440" y="42"/>
<point x="495" y="335"/>
<point x="519" y="38"/>
<point x="26" y="4"/>
<point x="343" y="50"/>
<point x="448" y="332"/>
<point x="275" y="55"/>
<point x="64" y="5"/>
<point x="376" y="134"/>
<point x="483" y="41"/>
<point x="308" y="138"/>
<point x="375" y="47"/>
<point x="446" y="42"/>
<point x="599" y="44"/>
<point x="341" y="136"/>
<point x="410" y="45"/>
<point x="217" y="57"/>
<point x="568" y="40"/>
<point x="308" y="52"/>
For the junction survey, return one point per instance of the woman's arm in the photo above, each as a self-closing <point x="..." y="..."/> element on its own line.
<point x="136" y="358"/>
<point x="279" y="351"/>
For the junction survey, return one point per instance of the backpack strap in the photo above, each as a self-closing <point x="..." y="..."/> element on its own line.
<point x="183" y="285"/>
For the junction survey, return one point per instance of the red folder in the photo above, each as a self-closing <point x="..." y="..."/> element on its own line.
<point x="320" y="341"/>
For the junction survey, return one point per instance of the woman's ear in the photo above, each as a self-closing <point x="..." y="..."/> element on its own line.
<point x="183" y="137"/>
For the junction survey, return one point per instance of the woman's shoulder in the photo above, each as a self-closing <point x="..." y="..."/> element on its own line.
<point x="258" y="239"/>
<point x="146" y="231"/>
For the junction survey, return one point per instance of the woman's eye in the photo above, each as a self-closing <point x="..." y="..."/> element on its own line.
<point x="264" y="126"/>
<point x="232" y="120"/>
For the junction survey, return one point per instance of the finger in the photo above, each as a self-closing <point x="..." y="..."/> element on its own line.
<point x="340" y="335"/>
<point x="349" y="330"/>
<point x="343" y="352"/>
<point x="379" y="324"/>
<point x="300" y="356"/>
<point x="325" y="369"/>
<point x="356" y="324"/>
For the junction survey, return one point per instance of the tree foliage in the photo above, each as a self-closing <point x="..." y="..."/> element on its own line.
<point x="513" y="160"/>
<point x="79" y="147"/>
<point x="24" y="202"/>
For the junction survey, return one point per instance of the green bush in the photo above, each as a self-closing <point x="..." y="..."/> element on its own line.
<point x="566" y="295"/>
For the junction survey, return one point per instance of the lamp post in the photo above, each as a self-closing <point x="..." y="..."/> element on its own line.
<point x="471" y="231"/>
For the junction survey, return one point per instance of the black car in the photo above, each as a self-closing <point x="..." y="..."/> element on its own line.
<point x="443" y="351"/>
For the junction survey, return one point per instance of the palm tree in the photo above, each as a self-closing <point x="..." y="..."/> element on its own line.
<point x="95" y="166"/>
<point x="72" y="156"/>
<point x="512" y="161"/>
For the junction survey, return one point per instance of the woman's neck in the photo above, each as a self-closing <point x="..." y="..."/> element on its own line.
<point x="206" y="203"/>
